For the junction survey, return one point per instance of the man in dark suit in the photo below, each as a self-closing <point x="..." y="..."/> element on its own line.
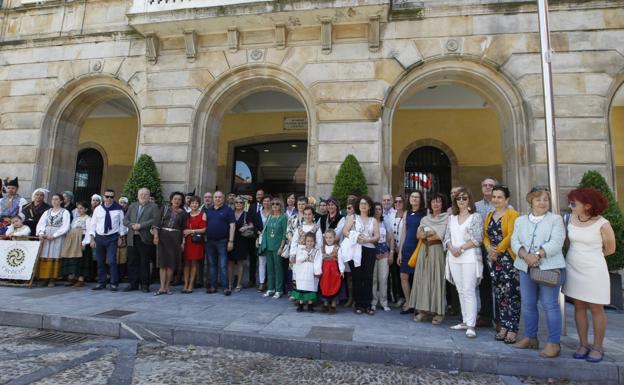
<point x="139" y="219"/>
<point x="254" y="212"/>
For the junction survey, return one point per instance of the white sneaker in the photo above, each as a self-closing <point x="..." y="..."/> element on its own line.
<point x="470" y="333"/>
<point x="461" y="326"/>
<point x="386" y="308"/>
<point x="268" y="293"/>
<point x="277" y="295"/>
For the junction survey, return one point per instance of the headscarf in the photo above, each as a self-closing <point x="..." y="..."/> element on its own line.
<point x="334" y="201"/>
<point x="40" y="190"/>
<point x="123" y="200"/>
<point x="95" y="196"/>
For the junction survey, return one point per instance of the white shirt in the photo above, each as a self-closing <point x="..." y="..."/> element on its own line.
<point x="98" y="218"/>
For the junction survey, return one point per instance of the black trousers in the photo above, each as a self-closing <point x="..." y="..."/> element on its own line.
<point x="253" y="262"/>
<point x="485" y="291"/>
<point x="363" y="278"/>
<point x="287" y="279"/>
<point x="139" y="257"/>
<point x="395" y="291"/>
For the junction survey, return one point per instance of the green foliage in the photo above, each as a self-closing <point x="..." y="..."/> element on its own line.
<point x="143" y="174"/>
<point x="613" y="214"/>
<point x="350" y="178"/>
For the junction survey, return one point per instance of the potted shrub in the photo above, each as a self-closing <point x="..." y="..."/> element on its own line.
<point x="143" y="174"/>
<point x="349" y="179"/>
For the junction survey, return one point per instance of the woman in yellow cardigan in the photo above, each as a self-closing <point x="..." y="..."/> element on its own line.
<point x="498" y="227"/>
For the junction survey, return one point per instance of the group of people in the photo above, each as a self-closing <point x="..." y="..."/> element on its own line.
<point x="422" y="254"/>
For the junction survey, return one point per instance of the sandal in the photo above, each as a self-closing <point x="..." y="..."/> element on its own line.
<point x="158" y="292"/>
<point x="500" y="336"/>
<point x="510" y="338"/>
<point x="594" y="359"/>
<point x="581" y="356"/>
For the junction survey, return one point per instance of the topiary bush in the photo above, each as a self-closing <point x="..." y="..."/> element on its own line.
<point x="143" y="174"/>
<point x="613" y="214"/>
<point x="349" y="178"/>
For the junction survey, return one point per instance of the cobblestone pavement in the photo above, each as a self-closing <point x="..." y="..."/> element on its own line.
<point x="28" y="356"/>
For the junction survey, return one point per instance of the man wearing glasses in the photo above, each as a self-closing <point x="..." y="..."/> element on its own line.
<point x="107" y="233"/>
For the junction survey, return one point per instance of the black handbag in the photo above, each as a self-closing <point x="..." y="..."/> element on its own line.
<point x="197" y="238"/>
<point x="248" y="230"/>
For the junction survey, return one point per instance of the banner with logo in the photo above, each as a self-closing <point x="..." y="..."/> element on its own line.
<point x="17" y="259"/>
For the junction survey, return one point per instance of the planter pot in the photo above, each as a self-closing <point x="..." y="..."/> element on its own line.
<point x="617" y="301"/>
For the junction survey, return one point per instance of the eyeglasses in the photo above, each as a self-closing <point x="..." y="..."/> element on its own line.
<point x="572" y="204"/>
<point x="539" y="189"/>
<point x="275" y="204"/>
<point x="109" y="196"/>
<point x="398" y="201"/>
<point x="461" y="198"/>
<point x="487" y="185"/>
<point x="349" y="207"/>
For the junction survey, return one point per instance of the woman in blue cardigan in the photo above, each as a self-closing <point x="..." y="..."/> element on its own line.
<point x="537" y="240"/>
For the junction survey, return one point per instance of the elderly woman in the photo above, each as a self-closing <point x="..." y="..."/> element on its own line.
<point x="463" y="238"/>
<point x="591" y="239"/>
<point x="68" y="203"/>
<point x="498" y="226"/>
<point x="429" y="287"/>
<point x="537" y="241"/>
<point x="96" y="200"/>
<point x="35" y="209"/>
<point x="170" y="240"/>
<point x="51" y="230"/>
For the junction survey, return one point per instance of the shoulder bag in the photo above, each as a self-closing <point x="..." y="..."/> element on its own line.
<point x="248" y="230"/>
<point x="543" y="277"/>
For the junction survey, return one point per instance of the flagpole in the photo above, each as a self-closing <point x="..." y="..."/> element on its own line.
<point x="549" y="116"/>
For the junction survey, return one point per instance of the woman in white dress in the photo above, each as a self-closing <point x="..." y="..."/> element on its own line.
<point x="591" y="238"/>
<point x="462" y="240"/>
<point x="51" y="230"/>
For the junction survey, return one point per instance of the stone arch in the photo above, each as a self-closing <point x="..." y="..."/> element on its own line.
<point x="65" y="116"/>
<point x="616" y="87"/>
<point x="221" y="96"/>
<point x="433" y="143"/>
<point x="493" y="86"/>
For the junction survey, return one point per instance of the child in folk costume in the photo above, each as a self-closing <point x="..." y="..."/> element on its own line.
<point x="308" y="268"/>
<point x="333" y="271"/>
<point x="76" y="251"/>
<point x="17" y="228"/>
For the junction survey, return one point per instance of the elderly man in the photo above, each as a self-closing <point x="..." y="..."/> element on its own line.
<point x="10" y="205"/>
<point x="139" y="219"/>
<point x="219" y="241"/>
<point x="107" y="232"/>
<point x="207" y="201"/>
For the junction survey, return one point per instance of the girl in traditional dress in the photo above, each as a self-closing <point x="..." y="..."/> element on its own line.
<point x="17" y="228"/>
<point x="333" y="271"/>
<point x="51" y="230"/>
<point x="307" y="268"/>
<point x="76" y="252"/>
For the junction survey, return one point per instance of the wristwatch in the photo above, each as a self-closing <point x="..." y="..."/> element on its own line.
<point x="462" y="249"/>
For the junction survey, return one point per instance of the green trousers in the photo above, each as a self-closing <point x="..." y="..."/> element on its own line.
<point x="275" y="275"/>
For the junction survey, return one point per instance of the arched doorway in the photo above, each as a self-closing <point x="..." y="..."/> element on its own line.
<point x="448" y="100"/>
<point x="616" y="122"/>
<point x="88" y="177"/>
<point x="98" y="113"/>
<point x="427" y="169"/>
<point x="245" y="108"/>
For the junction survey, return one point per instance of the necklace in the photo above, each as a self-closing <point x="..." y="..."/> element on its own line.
<point x="583" y="221"/>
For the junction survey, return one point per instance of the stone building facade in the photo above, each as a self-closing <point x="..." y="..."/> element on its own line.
<point x="184" y="64"/>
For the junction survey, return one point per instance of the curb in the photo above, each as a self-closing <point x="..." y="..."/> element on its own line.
<point x="417" y="357"/>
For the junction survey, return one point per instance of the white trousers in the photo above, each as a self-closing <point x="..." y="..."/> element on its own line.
<point x="380" y="282"/>
<point x="261" y="268"/>
<point x="464" y="276"/>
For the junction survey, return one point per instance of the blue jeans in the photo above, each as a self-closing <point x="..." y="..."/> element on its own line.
<point x="216" y="251"/>
<point x="530" y="292"/>
<point x="106" y="250"/>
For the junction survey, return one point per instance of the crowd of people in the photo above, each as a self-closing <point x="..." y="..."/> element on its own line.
<point x="417" y="253"/>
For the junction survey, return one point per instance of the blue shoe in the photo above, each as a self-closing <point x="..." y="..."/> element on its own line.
<point x="592" y="359"/>
<point x="580" y="356"/>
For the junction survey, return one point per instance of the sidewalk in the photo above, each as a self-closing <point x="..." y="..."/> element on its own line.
<point x="248" y="321"/>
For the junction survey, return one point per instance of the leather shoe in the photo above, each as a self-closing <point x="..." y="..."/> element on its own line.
<point x="130" y="288"/>
<point x="527" y="343"/>
<point x="211" y="290"/>
<point x="551" y="350"/>
<point x="145" y="289"/>
<point x="98" y="287"/>
<point x="113" y="288"/>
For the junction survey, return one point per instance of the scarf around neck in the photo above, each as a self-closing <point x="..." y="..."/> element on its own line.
<point x="108" y="221"/>
<point x="436" y="224"/>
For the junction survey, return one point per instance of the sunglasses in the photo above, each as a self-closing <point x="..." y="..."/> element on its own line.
<point x="539" y="189"/>
<point x="109" y="196"/>
<point x="572" y="205"/>
<point x="461" y="198"/>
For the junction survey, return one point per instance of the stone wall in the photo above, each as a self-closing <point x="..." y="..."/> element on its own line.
<point x="51" y="55"/>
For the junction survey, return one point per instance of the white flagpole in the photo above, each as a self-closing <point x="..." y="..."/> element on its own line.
<point x="549" y="116"/>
